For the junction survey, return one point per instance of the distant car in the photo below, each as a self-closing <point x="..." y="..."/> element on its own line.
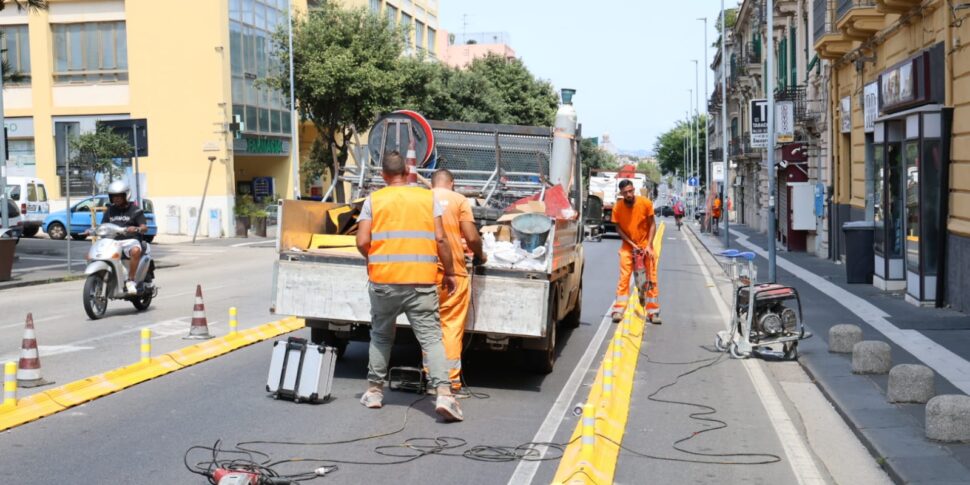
<point x="16" y="222"/>
<point x="56" y="223"/>
<point x="272" y="214"/>
<point x="664" y="211"/>
<point x="30" y="195"/>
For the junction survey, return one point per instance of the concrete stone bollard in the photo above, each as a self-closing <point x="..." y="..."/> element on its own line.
<point x="871" y="357"/>
<point x="842" y="337"/>
<point x="911" y="383"/>
<point x="948" y="418"/>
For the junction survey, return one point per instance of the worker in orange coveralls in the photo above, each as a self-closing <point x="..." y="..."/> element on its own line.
<point x="459" y="226"/>
<point x="634" y="219"/>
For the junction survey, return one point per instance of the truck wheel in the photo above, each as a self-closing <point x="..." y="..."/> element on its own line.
<point x="541" y="361"/>
<point x="31" y="231"/>
<point x="329" y="338"/>
<point x="572" y="318"/>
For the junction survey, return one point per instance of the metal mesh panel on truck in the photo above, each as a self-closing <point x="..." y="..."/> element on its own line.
<point x="463" y="151"/>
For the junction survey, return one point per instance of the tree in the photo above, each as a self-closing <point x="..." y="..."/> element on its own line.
<point x="97" y="151"/>
<point x="345" y="68"/>
<point x="651" y="170"/>
<point x="594" y="157"/>
<point x="526" y="100"/>
<point x="669" y="146"/>
<point x="9" y="74"/>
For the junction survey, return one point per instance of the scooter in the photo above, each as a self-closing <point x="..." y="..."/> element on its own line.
<point x="107" y="271"/>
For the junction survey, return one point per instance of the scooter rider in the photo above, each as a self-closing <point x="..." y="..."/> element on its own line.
<point x="122" y="213"/>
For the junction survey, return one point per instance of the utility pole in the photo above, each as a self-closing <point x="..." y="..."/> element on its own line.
<point x="294" y="145"/>
<point x="707" y="149"/>
<point x="724" y="127"/>
<point x="4" y="213"/>
<point x="770" y="74"/>
<point x="697" y="142"/>
<point x="690" y="151"/>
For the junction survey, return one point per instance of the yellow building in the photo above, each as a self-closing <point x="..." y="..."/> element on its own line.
<point x="899" y="77"/>
<point x="186" y="66"/>
<point x="419" y="16"/>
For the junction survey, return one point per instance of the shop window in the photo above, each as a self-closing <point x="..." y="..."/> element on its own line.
<point x="90" y="52"/>
<point x="911" y="180"/>
<point x="878" y="194"/>
<point x="16" y="51"/>
<point x="21" y="151"/>
<point x="932" y="201"/>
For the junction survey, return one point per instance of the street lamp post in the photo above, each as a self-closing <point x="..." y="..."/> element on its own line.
<point x="690" y="151"/>
<point x="294" y="146"/>
<point x="770" y="75"/>
<point x="724" y="127"/>
<point x="697" y="141"/>
<point x="707" y="150"/>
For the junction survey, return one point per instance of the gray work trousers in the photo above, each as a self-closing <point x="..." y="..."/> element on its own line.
<point x="420" y="304"/>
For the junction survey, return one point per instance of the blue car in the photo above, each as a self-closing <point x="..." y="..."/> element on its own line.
<point x="56" y="222"/>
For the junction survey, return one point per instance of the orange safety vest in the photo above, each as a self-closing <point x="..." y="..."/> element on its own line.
<point x="403" y="247"/>
<point x="717" y="208"/>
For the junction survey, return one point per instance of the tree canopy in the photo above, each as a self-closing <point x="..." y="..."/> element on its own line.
<point x="670" y="145"/>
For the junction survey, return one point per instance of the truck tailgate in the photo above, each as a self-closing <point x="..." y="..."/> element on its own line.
<point x="337" y="291"/>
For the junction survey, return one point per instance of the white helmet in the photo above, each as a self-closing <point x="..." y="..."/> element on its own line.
<point x="118" y="187"/>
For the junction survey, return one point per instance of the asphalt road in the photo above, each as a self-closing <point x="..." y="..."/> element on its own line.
<point x="140" y="435"/>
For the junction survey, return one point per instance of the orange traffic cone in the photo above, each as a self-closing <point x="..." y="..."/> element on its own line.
<point x="200" y="327"/>
<point x="28" y="369"/>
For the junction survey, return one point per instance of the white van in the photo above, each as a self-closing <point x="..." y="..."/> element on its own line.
<point x="30" y="194"/>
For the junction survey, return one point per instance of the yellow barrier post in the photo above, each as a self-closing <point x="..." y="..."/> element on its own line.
<point x="607" y="394"/>
<point x="146" y="345"/>
<point x="617" y="349"/>
<point x="233" y="323"/>
<point x="589" y="433"/>
<point x="9" y="384"/>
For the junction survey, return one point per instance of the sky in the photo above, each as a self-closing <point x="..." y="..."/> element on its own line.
<point x="630" y="61"/>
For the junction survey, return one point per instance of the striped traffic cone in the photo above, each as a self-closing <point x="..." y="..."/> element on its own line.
<point x="200" y="327"/>
<point x="28" y="369"/>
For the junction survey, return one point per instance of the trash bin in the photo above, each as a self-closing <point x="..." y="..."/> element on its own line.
<point x="8" y="245"/>
<point x="859" y="252"/>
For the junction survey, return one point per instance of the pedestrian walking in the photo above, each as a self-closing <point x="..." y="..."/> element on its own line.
<point x="634" y="219"/>
<point x="716" y="213"/>
<point x="459" y="224"/>
<point x="400" y="232"/>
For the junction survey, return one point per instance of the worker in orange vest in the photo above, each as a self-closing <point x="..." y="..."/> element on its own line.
<point x="634" y="219"/>
<point x="459" y="224"/>
<point x="400" y="232"/>
<point x="716" y="213"/>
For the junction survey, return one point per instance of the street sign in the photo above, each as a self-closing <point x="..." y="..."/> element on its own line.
<point x="692" y="181"/>
<point x="717" y="171"/>
<point x="870" y="102"/>
<point x="758" y="124"/>
<point x="784" y="122"/>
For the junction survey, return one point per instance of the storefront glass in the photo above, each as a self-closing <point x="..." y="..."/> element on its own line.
<point x="911" y="159"/>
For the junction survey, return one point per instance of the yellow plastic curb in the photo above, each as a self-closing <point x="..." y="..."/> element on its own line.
<point x="81" y="391"/>
<point x="598" y="466"/>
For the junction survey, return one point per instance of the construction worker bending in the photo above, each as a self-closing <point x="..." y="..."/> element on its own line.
<point x="400" y="232"/>
<point x="634" y="219"/>
<point x="458" y="223"/>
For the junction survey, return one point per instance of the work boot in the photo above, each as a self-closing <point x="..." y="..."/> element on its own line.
<point x="617" y="316"/>
<point x="373" y="398"/>
<point x="460" y="393"/>
<point x="131" y="288"/>
<point x="447" y="407"/>
<point x="655" y="318"/>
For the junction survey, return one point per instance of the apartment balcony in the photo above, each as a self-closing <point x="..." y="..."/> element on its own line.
<point x="795" y="94"/>
<point x="859" y="19"/>
<point x="830" y="42"/>
<point x="717" y="155"/>
<point x="896" y="6"/>
<point x="786" y="8"/>
<point x="752" y="54"/>
<point x="740" y="147"/>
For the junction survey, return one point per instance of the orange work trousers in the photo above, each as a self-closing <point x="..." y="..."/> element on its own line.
<point x="454" y="313"/>
<point x="623" y="285"/>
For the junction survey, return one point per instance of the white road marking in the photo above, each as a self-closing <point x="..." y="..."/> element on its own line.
<point x="49" y="266"/>
<point x="944" y="362"/>
<point x="36" y="320"/>
<point x="254" y="243"/>
<point x="526" y="470"/>
<point x="796" y="449"/>
<point x="48" y="350"/>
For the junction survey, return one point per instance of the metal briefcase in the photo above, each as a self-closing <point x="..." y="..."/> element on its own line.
<point x="300" y="371"/>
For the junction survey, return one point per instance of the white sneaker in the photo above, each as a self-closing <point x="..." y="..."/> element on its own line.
<point x="131" y="288"/>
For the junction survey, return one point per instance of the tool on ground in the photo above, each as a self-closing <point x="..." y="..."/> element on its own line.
<point x="760" y="316"/>
<point x="301" y="371"/>
<point x="200" y="326"/>
<point x="406" y="379"/>
<point x="641" y="272"/>
<point x="28" y="369"/>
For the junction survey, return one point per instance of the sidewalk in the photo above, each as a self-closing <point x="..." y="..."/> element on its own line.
<point x="937" y="338"/>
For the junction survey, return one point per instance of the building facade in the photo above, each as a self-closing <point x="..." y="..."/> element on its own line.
<point x="91" y="61"/>
<point x="900" y="99"/>
<point x="459" y="50"/>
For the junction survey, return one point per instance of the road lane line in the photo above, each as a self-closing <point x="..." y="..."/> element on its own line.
<point x="943" y="361"/>
<point x="241" y="245"/>
<point x="36" y="320"/>
<point x="526" y="470"/>
<point x="799" y="458"/>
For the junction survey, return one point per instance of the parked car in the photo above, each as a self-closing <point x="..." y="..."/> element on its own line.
<point x="664" y="211"/>
<point x="56" y="223"/>
<point x="14" y="217"/>
<point x="272" y="214"/>
<point x="30" y="195"/>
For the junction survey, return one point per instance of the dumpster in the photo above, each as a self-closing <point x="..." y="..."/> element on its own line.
<point x="859" y="252"/>
<point x="8" y="245"/>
